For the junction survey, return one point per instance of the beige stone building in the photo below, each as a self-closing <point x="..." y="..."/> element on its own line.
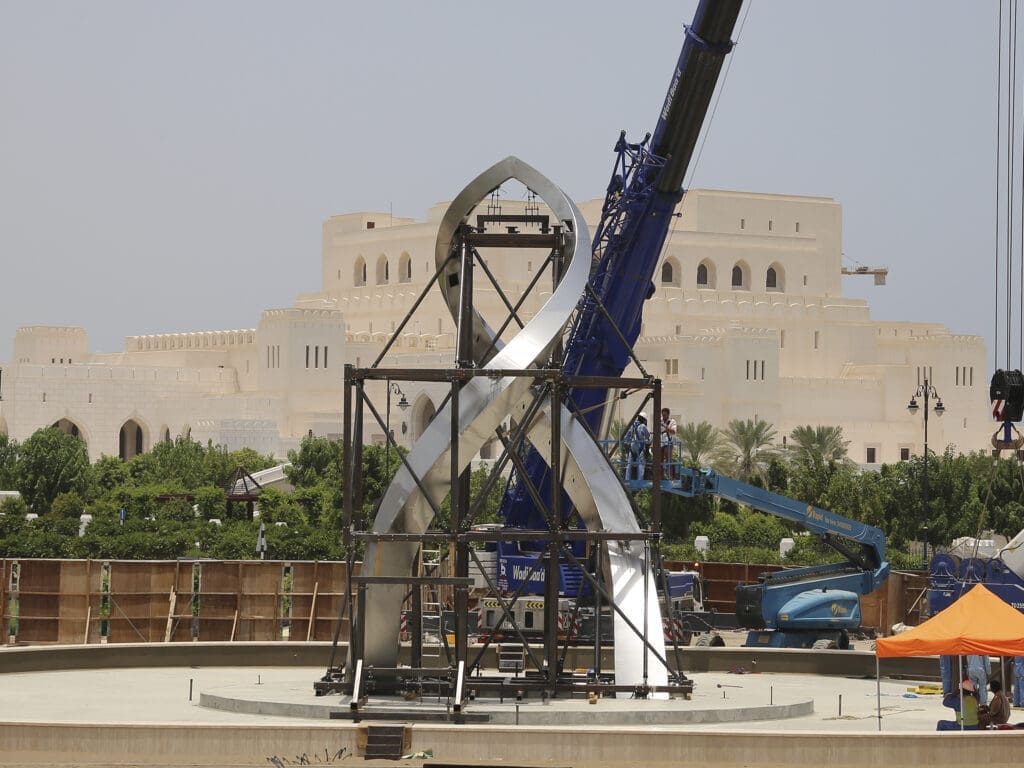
<point x="748" y="318"/>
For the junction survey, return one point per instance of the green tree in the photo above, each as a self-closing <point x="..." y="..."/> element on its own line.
<point x="219" y="465"/>
<point x="47" y="537"/>
<point x="488" y="509"/>
<point x="182" y="461"/>
<point x="700" y="443"/>
<point x="233" y="540"/>
<point x="67" y="505"/>
<point x="747" y="447"/>
<point x="108" y="473"/>
<point x="212" y="502"/>
<point x="818" y="445"/>
<point x="51" y="462"/>
<point x="8" y="462"/>
<point x="761" y="530"/>
<point x="318" y="505"/>
<point x="723" y="530"/>
<point x="251" y="461"/>
<point x="679" y="515"/>
<point x="317" y="460"/>
<point x="276" y="506"/>
<point x="777" y="476"/>
<point x="12" y="525"/>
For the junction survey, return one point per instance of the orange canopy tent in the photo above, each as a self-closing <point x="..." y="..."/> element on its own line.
<point x="978" y="623"/>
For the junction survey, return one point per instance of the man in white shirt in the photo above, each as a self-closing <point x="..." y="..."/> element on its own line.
<point x="668" y="435"/>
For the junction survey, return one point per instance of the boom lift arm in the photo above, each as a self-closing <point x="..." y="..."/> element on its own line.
<point x="806" y="605"/>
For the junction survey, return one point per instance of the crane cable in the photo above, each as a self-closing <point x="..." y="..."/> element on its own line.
<point x="1012" y="148"/>
<point x="1011" y="120"/>
<point x="995" y="238"/>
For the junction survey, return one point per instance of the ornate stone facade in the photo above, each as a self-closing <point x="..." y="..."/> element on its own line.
<point x="747" y="319"/>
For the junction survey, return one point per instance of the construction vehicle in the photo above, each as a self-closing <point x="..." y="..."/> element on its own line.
<point x="812" y="607"/>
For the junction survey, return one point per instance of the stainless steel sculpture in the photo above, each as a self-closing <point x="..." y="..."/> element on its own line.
<point x="483" y="404"/>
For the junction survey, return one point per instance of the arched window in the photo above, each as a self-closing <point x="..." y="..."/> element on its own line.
<point x="404" y="268"/>
<point x="740" y="279"/>
<point x="670" y="271"/>
<point x="383" y="271"/>
<point x="770" y="279"/>
<point x="131" y="440"/>
<point x="706" y="274"/>
<point x="775" y="278"/>
<point x="68" y="427"/>
<point x="359" y="272"/>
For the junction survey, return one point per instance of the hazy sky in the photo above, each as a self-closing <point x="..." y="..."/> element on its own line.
<point x="167" y="166"/>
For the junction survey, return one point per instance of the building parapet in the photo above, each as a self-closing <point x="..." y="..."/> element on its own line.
<point x="165" y="342"/>
<point x="51" y="330"/>
<point x="301" y="314"/>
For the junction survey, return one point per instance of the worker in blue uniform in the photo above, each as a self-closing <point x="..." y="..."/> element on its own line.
<point x="978" y="670"/>
<point x="636" y="441"/>
<point x="946" y="670"/>
<point x="1018" y="681"/>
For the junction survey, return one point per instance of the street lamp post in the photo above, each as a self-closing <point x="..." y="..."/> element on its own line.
<point x="389" y="437"/>
<point x="926" y="391"/>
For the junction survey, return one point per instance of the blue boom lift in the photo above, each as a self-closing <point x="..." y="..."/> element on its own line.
<point x="812" y="607"/>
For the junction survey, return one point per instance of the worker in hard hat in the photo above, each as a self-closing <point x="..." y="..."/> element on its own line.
<point x="636" y="441"/>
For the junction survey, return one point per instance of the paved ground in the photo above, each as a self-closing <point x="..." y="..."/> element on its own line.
<point x="161" y="695"/>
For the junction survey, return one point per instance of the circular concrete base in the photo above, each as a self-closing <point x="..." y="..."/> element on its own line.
<point x="296" y="699"/>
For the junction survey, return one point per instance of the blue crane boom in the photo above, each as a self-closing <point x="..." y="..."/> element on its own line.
<point x="645" y="188"/>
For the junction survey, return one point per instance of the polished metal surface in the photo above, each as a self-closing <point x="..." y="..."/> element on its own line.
<point x="483" y="405"/>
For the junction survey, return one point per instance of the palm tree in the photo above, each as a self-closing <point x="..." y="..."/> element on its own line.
<point x="748" y="447"/>
<point x="699" y="443"/>
<point x="819" y="445"/>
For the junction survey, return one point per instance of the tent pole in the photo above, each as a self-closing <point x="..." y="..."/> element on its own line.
<point x="960" y="660"/>
<point x="1002" y="677"/>
<point x="878" y="691"/>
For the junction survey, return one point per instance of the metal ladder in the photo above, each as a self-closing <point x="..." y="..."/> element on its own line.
<point x="431" y="625"/>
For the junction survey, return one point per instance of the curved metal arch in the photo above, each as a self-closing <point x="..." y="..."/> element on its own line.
<point x="483" y="405"/>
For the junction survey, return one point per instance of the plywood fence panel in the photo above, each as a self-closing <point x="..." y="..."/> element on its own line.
<point x="56" y="596"/>
<point x="256" y="577"/>
<point x="305" y="576"/>
<point x="220" y="578"/>
<point x="74" y="576"/>
<point x="39" y="601"/>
